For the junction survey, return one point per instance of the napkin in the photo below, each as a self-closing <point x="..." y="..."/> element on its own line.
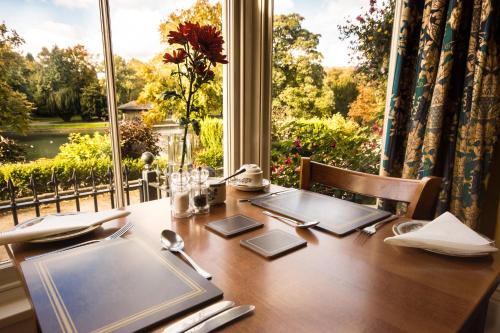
<point x="58" y="224"/>
<point x="446" y="234"/>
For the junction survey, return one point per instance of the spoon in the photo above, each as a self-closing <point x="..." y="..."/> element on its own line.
<point x="239" y="172"/>
<point x="173" y="242"/>
<point x="296" y="224"/>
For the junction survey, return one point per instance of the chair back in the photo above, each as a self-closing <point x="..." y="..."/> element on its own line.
<point x="421" y="195"/>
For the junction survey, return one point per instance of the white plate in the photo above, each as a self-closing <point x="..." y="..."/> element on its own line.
<point x="248" y="188"/>
<point x="58" y="237"/>
<point x="410" y="226"/>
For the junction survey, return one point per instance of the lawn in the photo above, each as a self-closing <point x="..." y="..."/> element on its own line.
<point x="54" y="123"/>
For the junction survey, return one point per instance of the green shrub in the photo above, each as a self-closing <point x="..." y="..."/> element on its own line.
<point x="211" y="138"/>
<point x="84" y="147"/>
<point x="42" y="169"/>
<point x="334" y="141"/>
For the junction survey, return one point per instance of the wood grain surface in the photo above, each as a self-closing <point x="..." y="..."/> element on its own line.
<point x="348" y="284"/>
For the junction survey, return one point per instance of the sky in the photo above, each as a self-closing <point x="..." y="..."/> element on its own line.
<point x="135" y="24"/>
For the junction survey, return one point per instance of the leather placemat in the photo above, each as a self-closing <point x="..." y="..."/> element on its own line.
<point x="233" y="225"/>
<point x="273" y="243"/>
<point x="334" y="215"/>
<point x="114" y="286"/>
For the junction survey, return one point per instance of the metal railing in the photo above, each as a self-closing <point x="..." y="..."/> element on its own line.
<point x="57" y="196"/>
<point x="152" y="185"/>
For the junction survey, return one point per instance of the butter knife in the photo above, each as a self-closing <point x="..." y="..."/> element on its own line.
<point x="198" y="317"/>
<point x="222" y="319"/>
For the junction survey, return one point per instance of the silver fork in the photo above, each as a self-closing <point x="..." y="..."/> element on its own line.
<point x="114" y="235"/>
<point x="370" y="230"/>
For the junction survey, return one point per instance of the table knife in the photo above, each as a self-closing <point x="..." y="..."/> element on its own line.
<point x="198" y="317"/>
<point x="222" y="319"/>
<point x="267" y="195"/>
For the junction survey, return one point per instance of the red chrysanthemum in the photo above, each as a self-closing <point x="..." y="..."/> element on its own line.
<point x="183" y="33"/>
<point x="176" y="57"/>
<point x="209" y="41"/>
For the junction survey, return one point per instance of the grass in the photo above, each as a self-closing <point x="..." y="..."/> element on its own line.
<point x="50" y="123"/>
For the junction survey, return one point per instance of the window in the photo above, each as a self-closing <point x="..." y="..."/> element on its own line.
<point x="330" y="71"/>
<point x="56" y="78"/>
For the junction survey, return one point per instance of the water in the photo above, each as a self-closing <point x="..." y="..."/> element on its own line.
<point x="42" y="144"/>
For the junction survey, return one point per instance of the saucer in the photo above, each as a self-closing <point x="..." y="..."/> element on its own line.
<point x="250" y="188"/>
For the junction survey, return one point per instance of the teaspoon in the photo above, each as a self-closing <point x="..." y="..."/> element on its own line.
<point x="174" y="243"/>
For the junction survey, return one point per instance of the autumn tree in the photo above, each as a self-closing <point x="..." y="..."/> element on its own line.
<point x="343" y="85"/>
<point x="368" y="108"/>
<point x="369" y="35"/>
<point x="15" y="108"/>
<point x="298" y="75"/>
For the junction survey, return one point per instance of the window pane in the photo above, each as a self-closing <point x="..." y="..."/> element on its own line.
<point x="329" y="83"/>
<point x="54" y="118"/>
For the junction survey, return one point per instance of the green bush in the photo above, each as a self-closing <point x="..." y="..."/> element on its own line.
<point x="42" y="170"/>
<point x="84" y="147"/>
<point x="334" y="141"/>
<point x="211" y="141"/>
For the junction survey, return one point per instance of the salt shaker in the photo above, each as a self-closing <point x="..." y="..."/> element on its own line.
<point x="179" y="196"/>
<point x="199" y="191"/>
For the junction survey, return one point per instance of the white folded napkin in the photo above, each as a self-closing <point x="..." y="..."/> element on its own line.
<point x="446" y="234"/>
<point x="58" y="224"/>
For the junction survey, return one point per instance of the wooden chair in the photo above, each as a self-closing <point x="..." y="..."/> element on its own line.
<point x="421" y="195"/>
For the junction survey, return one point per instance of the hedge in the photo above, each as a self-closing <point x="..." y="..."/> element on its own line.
<point x="41" y="170"/>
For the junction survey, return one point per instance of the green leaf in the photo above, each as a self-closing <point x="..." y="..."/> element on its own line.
<point x="168" y="94"/>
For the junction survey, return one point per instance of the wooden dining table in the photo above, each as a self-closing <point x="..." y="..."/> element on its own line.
<point x="334" y="284"/>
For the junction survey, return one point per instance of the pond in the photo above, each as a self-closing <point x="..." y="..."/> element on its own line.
<point x="40" y="145"/>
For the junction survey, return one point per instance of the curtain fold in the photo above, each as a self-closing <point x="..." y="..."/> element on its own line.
<point x="444" y="112"/>
<point x="247" y="87"/>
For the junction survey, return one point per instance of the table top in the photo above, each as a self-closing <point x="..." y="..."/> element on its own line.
<point x="346" y="283"/>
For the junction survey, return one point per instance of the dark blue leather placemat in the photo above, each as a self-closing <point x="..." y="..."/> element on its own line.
<point x="336" y="216"/>
<point x="113" y="286"/>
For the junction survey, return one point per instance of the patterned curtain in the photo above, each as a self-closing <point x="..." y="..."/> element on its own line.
<point x="444" y="114"/>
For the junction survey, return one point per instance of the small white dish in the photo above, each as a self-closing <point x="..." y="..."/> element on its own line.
<point x="414" y="225"/>
<point x="250" y="188"/>
<point x="58" y="237"/>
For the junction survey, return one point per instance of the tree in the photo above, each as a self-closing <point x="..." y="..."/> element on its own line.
<point x="93" y="102"/>
<point x="129" y="82"/>
<point x="15" y="108"/>
<point x="368" y="108"/>
<point x="369" y="35"/>
<point x="344" y="88"/>
<point x="62" y="75"/>
<point x="297" y="71"/>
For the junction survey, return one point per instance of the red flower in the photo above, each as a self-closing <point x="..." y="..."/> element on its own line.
<point x="288" y="161"/>
<point x="176" y="57"/>
<point x="360" y="19"/>
<point x="184" y="33"/>
<point x="209" y="41"/>
<point x="334" y="144"/>
<point x="297" y="144"/>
